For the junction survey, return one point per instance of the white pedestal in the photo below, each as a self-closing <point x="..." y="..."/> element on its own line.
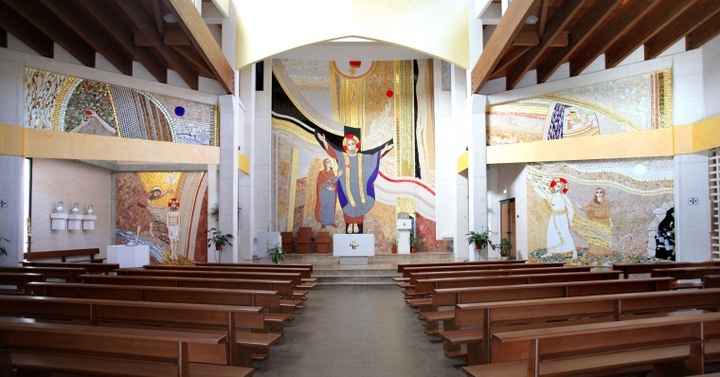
<point x="128" y="256"/>
<point x="403" y="246"/>
<point x="353" y="245"/>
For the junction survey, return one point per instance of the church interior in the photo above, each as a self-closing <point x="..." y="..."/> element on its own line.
<point x="361" y="188"/>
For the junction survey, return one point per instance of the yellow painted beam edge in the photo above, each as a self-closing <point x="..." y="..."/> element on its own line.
<point x="244" y="163"/>
<point x="684" y="139"/>
<point x="27" y="142"/>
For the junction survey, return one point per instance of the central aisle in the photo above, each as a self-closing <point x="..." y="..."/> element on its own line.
<point x="357" y="331"/>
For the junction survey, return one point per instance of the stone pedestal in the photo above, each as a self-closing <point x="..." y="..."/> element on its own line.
<point x="128" y="256"/>
<point x="353" y="245"/>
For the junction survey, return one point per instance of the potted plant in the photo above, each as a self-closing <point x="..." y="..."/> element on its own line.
<point x="413" y="243"/>
<point x="505" y="248"/>
<point x="276" y="254"/>
<point x="220" y="240"/>
<point x="481" y="240"/>
<point x="3" y="249"/>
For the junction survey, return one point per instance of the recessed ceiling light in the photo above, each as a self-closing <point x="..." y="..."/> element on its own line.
<point x="532" y="19"/>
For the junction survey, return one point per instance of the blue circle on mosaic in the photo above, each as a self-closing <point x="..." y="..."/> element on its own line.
<point x="179" y="111"/>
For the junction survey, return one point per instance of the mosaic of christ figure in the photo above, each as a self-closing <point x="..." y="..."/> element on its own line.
<point x="357" y="172"/>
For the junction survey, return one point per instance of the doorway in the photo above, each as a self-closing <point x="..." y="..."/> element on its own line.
<point x="507" y="224"/>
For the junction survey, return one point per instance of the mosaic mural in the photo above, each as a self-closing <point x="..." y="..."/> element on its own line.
<point x="65" y="103"/>
<point x="601" y="212"/>
<point x="166" y="211"/>
<point x="353" y="146"/>
<point x="630" y="104"/>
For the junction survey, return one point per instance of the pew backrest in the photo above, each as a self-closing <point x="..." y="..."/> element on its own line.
<point x="711" y="281"/>
<point x="401" y="267"/>
<point x="283" y="265"/>
<point x="91" y="254"/>
<point x="294" y="277"/>
<point x="284" y="287"/>
<point x="464" y="267"/>
<point x="453" y="296"/>
<point x="269" y="300"/>
<point x="70" y="274"/>
<point x="304" y="272"/>
<point x="516" y="271"/>
<point x="647" y="268"/>
<point x="686" y="272"/>
<point x="427" y="285"/>
<point x="93" y="268"/>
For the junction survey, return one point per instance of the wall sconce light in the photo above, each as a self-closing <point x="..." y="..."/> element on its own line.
<point x="89" y="219"/>
<point x="75" y="218"/>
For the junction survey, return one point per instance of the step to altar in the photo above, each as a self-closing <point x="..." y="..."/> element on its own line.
<point x="391" y="259"/>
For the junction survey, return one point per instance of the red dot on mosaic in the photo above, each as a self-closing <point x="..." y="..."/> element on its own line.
<point x="389" y="93"/>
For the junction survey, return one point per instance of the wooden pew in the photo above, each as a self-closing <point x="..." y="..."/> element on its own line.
<point x="686" y="272"/>
<point x="426" y="286"/>
<point x="414" y="277"/>
<point x="69" y="274"/>
<point x="304" y="272"/>
<point x="93" y="268"/>
<point x="294" y="277"/>
<point x="401" y="267"/>
<point x="101" y="350"/>
<point x="475" y="323"/>
<point x="647" y="268"/>
<point x="411" y="270"/>
<point x="284" y="287"/>
<point x="610" y="347"/>
<point x="711" y="281"/>
<point x="19" y="279"/>
<point x="282" y="265"/>
<point x="238" y="322"/>
<point x="91" y="254"/>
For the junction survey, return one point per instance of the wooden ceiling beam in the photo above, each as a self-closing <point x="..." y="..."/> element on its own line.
<point x="34" y="13"/>
<point x="500" y="41"/>
<point x="93" y="34"/>
<point x="204" y="42"/>
<point x="705" y="32"/>
<point x="654" y="21"/>
<point x="145" y="30"/>
<point x="556" y="25"/>
<point x="510" y="57"/>
<point x="30" y="35"/>
<point x="196" y="61"/>
<point x="631" y="13"/>
<point x="105" y="13"/>
<point x="686" y="23"/>
<point x="531" y="38"/>
<point x="543" y="16"/>
<point x="589" y="24"/>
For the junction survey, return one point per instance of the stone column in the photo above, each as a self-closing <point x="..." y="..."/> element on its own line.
<point x="247" y="182"/>
<point x="477" y="171"/>
<point x="231" y="117"/>
<point x="12" y="209"/>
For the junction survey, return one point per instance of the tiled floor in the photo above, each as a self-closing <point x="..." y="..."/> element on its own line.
<point x="356" y="331"/>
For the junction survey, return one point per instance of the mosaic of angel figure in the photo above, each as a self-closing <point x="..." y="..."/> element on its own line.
<point x="559" y="238"/>
<point x="357" y="171"/>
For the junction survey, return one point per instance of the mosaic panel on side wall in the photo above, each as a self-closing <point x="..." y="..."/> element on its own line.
<point x="166" y="211"/>
<point x="636" y="103"/>
<point x="354" y="146"/>
<point x="65" y="103"/>
<point x="601" y="212"/>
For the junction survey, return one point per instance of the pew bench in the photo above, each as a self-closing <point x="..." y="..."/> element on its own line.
<point x="304" y="272"/>
<point x="243" y="297"/>
<point x="93" y="268"/>
<point x="402" y="266"/>
<point x="91" y="255"/>
<point x="101" y="350"/>
<point x="68" y="274"/>
<point x="711" y="281"/>
<point x="476" y="323"/>
<point x="284" y="287"/>
<point x="445" y="300"/>
<point x="646" y="268"/>
<point x="240" y="323"/>
<point x="19" y="280"/>
<point x="271" y="265"/>
<point x="411" y="270"/>
<point x="613" y="347"/>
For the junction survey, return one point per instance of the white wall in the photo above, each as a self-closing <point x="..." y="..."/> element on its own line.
<point x="70" y="181"/>
<point x="505" y="182"/>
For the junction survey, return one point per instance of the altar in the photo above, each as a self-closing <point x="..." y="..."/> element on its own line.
<point x="353" y="245"/>
<point x="128" y="255"/>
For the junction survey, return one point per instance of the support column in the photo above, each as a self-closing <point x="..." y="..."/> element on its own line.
<point x="212" y="187"/>
<point x="477" y="171"/>
<point x="231" y="117"/>
<point x="12" y="207"/>
<point x="246" y="194"/>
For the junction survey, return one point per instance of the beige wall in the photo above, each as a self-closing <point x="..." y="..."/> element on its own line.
<point x="70" y="181"/>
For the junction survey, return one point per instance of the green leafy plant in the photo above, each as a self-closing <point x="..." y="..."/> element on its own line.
<point x="219" y="239"/>
<point x="3" y="249"/>
<point x="276" y="254"/>
<point x="505" y="247"/>
<point x="481" y="240"/>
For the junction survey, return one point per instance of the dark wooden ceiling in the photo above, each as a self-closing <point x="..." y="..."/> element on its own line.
<point x="544" y="34"/>
<point x="159" y="34"/>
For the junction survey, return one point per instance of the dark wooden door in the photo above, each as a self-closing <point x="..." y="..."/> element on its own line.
<point x="507" y="223"/>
